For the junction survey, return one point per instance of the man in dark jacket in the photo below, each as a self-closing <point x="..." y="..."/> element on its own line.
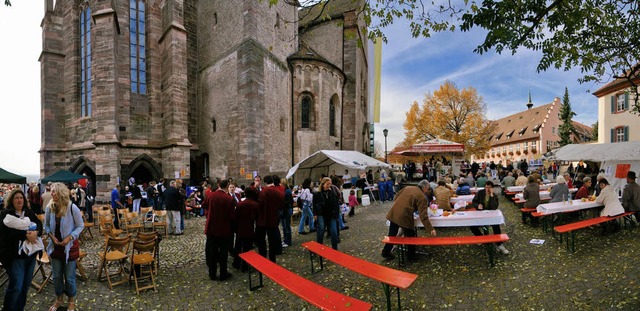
<point x="220" y="215"/>
<point x="267" y="225"/>
<point x="485" y="199"/>
<point x="173" y="203"/>
<point x="631" y="195"/>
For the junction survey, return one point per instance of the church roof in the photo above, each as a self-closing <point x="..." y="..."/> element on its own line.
<point x="521" y="126"/>
<point x="326" y="10"/>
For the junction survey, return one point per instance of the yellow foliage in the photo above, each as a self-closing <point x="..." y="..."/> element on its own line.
<point x="451" y="114"/>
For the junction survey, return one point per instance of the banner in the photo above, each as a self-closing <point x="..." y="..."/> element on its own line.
<point x="377" y="74"/>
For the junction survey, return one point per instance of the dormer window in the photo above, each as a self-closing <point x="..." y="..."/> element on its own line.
<point x="499" y="136"/>
<point x="510" y="134"/>
<point x="490" y="137"/>
<point x="522" y="130"/>
<point x="537" y="128"/>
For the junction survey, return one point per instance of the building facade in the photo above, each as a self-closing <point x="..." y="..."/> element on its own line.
<point x="616" y="123"/>
<point x="191" y="89"/>
<point x="527" y="135"/>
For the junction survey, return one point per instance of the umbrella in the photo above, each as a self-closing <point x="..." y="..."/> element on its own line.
<point x="63" y="176"/>
<point x="8" y="177"/>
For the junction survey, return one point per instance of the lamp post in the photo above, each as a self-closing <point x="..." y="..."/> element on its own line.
<point x="385" y="132"/>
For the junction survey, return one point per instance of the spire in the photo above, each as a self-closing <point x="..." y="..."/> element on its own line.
<point x="529" y="104"/>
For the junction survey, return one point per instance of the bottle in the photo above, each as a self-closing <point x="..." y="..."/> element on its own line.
<point x="570" y="200"/>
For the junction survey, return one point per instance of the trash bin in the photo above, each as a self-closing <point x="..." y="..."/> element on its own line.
<point x="365" y="200"/>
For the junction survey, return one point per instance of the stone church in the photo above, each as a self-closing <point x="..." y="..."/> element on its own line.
<point x="198" y="88"/>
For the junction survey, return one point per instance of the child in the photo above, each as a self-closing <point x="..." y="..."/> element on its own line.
<point x="353" y="202"/>
<point x="25" y="224"/>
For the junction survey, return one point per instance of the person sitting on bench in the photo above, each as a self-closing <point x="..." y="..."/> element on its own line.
<point x="609" y="199"/>
<point x="485" y="199"/>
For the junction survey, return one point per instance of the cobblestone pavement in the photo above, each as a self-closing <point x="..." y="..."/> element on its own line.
<point x="602" y="275"/>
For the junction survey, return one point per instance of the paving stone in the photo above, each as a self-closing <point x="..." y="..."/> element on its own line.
<point x="601" y="275"/>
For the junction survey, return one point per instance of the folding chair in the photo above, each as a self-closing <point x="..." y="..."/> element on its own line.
<point x="87" y="226"/>
<point x="43" y="267"/>
<point x="115" y="251"/>
<point x="142" y="256"/>
<point x="160" y="220"/>
<point x="148" y="236"/>
<point x="106" y="226"/>
<point x="132" y="222"/>
<point x="146" y="216"/>
<point x="3" y="275"/>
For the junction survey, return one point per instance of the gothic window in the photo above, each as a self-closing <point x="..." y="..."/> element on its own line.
<point x="332" y="119"/>
<point x="85" y="62"/>
<point x="213" y="125"/>
<point x="137" y="44"/>
<point x="305" y="111"/>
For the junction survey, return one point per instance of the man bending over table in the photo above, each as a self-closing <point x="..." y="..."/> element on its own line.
<point x="408" y="200"/>
<point x="485" y="199"/>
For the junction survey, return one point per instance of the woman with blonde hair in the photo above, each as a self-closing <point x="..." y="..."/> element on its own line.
<point x="63" y="224"/>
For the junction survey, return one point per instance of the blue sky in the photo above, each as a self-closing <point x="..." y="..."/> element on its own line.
<point x="411" y="68"/>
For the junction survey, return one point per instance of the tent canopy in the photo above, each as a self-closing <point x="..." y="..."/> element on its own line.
<point x="63" y="176"/>
<point x="323" y="161"/>
<point x="599" y="152"/>
<point x="434" y="146"/>
<point x="8" y="177"/>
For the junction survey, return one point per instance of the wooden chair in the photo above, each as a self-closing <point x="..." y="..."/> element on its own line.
<point x="143" y="256"/>
<point x="148" y="236"/>
<point x="161" y="221"/>
<point x="115" y="251"/>
<point x="121" y="213"/>
<point x="4" y="278"/>
<point x="96" y="216"/>
<point x="106" y="226"/>
<point x="146" y="216"/>
<point x="132" y="222"/>
<point x="87" y="227"/>
<point x="43" y="267"/>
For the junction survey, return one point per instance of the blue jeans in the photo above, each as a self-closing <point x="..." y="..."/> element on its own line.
<point x="382" y="191"/>
<point x="20" y="274"/>
<point x="286" y="226"/>
<point x="332" y="224"/>
<point x="64" y="277"/>
<point x="307" y="215"/>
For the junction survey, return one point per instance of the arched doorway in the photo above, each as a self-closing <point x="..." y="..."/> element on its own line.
<point x="143" y="168"/>
<point x="85" y="167"/>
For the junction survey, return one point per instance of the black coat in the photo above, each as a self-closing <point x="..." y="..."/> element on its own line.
<point x="10" y="238"/>
<point x="325" y="203"/>
<point x="480" y="198"/>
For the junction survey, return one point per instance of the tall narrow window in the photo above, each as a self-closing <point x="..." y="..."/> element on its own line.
<point x="332" y="119"/>
<point x="137" y="40"/>
<point x="85" y="62"/>
<point x="305" y="120"/>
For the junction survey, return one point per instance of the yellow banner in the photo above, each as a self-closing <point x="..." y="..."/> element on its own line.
<point x="377" y="74"/>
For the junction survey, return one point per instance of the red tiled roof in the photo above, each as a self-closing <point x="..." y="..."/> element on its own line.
<point x="520" y="126"/>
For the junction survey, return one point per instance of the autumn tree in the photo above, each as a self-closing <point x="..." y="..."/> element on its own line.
<point x="566" y="116"/>
<point x="600" y="37"/>
<point x="451" y="114"/>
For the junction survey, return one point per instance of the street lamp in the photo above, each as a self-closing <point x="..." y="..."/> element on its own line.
<point x="385" y="132"/>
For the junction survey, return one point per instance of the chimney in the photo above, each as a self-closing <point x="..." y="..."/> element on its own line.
<point x="529" y="104"/>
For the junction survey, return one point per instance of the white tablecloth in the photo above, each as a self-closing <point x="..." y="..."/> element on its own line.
<point x="544" y="194"/>
<point x="521" y="188"/>
<point x="559" y="207"/>
<point x="466" y="198"/>
<point x="465" y="219"/>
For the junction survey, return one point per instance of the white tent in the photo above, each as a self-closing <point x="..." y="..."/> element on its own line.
<point x="616" y="159"/>
<point x="324" y="161"/>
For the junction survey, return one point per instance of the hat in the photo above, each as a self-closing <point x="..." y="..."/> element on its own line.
<point x="631" y="175"/>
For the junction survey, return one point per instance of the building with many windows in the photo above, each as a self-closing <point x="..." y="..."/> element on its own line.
<point x="616" y="123"/>
<point x="528" y="134"/>
<point x="193" y="89"/>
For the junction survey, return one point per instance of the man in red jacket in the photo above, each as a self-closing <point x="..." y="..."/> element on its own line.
<point x="271" y="202"/>
<point x="221" y="212"/>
